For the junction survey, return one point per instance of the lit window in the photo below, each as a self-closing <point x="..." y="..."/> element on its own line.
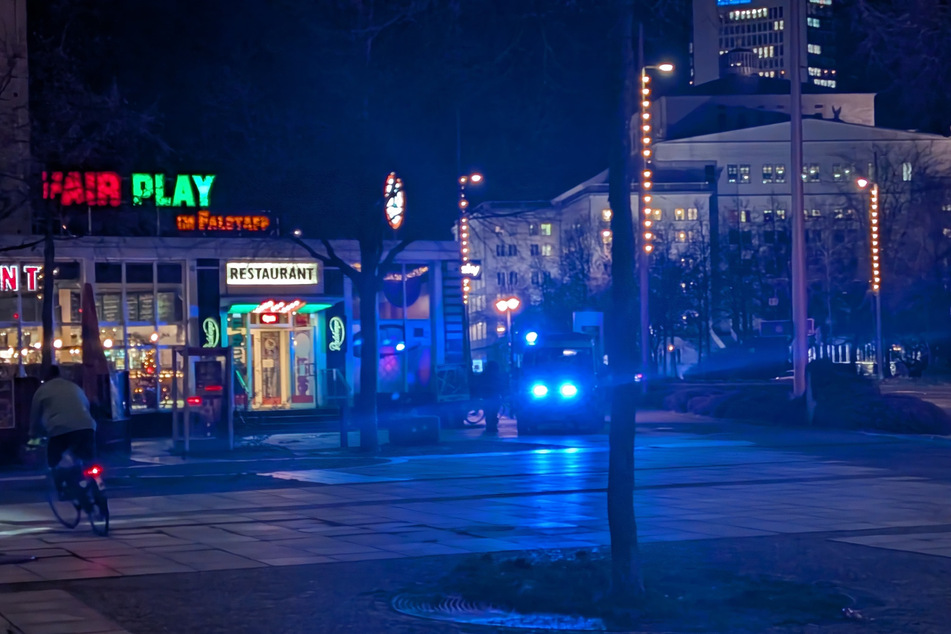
<point x="681" y="236"/>
<point x="679" y="214"/>
<point x="906" y="171"/>
<point x="838" y="173"/>
<point x="780" y="173"/>
<point x="606" y="215"/>
<point x="731" y="173"/>
<point x="546" y="250"/>
<point x="606" y="236"/>
<point x="744" y="173"/>
<point x="815" y="213"/>
<point x="780" y="214"/>
<point x="691" y="213"/>
<point x="546" y="228"/>
<point x="815" y="49"/>
<point x="767" y="215"/>
<point x="767" y="173"/>
<point x="658" y="214"/>
<point x="532" y="229"/>
<point x="744" y="215"/>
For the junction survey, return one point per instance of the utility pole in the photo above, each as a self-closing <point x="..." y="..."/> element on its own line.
<point x="800" y="299"/>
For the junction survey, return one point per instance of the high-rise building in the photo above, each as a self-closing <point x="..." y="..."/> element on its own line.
<point x="752" y="32"/>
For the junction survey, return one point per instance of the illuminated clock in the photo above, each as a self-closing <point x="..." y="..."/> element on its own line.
<point x="395" y="199"/>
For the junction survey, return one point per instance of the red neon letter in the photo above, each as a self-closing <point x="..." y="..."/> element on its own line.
<point x="73" y="190"/>
<point x="9" y="278"/>
<point x="107" y="186"/>
<point x="31" y="272"/>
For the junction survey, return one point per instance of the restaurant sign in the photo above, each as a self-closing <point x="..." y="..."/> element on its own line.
<point x="10" y="277"/>
<point x="271" y="273"/>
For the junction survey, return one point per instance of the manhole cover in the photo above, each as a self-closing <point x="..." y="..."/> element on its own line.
<point x="459" y="610"/>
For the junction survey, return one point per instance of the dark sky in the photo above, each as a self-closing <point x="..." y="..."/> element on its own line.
<point x="297" y="114"/>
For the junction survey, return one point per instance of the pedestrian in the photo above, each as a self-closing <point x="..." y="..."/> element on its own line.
<point x="494" y="386"/>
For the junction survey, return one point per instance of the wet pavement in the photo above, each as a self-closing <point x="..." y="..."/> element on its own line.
<point x="697" y="479"/>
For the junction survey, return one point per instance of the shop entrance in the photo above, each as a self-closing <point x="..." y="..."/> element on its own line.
<point x="277" y="365"/>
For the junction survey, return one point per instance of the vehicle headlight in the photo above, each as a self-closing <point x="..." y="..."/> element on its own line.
<point x="539" y="390"/>
<point x="568" y="390"/>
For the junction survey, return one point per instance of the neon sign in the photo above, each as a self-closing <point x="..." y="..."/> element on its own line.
<point x="10" y="277"/>
<point x="212" y="332"/>
<point x="95" y="189"/>
<point x="146" y="186"/>
<point x="337" y="334"/>
<point x="204" y="221"/>
<point x="103" y="189"/>
<point x="395" y="200"/>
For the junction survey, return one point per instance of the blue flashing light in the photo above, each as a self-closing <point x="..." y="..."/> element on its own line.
<point x="531" y="338"/>
<point x="568" y="390"/>
<point x="400" y="347"/>
<point x="539" y="390"/>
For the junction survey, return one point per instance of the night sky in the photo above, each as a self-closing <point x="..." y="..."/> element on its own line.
<point x="283" y="101"/>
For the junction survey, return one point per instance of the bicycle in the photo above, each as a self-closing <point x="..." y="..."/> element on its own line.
<point x="476" y="414"/>
<point x="74" y="489"/>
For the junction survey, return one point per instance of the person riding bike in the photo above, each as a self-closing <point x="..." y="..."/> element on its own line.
<point x="61" y="410"/>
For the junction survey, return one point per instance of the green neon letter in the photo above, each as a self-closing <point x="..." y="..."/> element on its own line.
<point x="203" y="183"/>
<point x="141" y="188"/>
<point x="184" y="196"/>
<point x="161" y="200"/>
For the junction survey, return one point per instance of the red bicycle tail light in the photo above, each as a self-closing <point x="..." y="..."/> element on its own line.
<point x="193" y="400"/>
<point x="94" y="470"/>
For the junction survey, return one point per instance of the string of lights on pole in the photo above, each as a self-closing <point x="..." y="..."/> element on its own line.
<point x="873" y="222"/>
<point x="464" y="248"/>
<point x="646" y="154"/>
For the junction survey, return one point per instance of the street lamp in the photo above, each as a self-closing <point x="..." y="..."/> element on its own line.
<point x="876" y="259"/>
<point x="507" y="306"/>
<point x="646" y="210"/>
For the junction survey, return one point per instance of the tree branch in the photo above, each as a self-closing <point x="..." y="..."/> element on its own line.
<point x="25" y="245"/>
<point x="391" y="257"/>
<point x="331" y="259"/>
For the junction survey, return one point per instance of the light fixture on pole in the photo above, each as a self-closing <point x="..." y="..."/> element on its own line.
<point x="646" y="212"/>
<point x="507" y="306"/>
<point x="875" y="256"/>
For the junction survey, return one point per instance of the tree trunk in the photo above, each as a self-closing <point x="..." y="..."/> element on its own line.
<point x="49" y="263"/>
<point x="625" y="561"/>
<point x="366" y="409"/>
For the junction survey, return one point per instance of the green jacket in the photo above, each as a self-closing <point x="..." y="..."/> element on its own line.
<point x="59" y="407"/>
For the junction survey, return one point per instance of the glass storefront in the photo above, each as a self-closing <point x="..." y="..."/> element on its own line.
<point x="405" y="363"/>
<point x="275" y="359"/>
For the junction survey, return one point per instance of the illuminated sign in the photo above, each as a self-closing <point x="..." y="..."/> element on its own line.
<point x="145" y="186"/>
<point x="269" y="318"/>
<point x="102" y="189"/>
<point x="10" y="277"/>
<point x="337" y="334"/>
<point x="726" y="3"/>
<point x="271" y="273"/>
<point x="95" y="189"/>
<point x="212" y="332"/>
<point x="204" y="221"/>
<point x="271" y="306"/>
<point x="472" y="269"/>
<point x="395" y="200"/>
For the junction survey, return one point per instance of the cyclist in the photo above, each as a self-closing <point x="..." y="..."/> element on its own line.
<point x="61" y="409"/>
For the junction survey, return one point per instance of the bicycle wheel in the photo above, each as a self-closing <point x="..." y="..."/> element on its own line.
<point x="98" y="510"/>
<point x="474" y="416"/>
<point x="64" y="506"/>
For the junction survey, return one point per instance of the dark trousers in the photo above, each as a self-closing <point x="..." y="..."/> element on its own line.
<point x="81" y="442"/>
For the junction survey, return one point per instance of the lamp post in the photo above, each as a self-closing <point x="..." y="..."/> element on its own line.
<point x="876" y="259"/>
<point x="507" y="306"/>
<point x="647" y="221"/>
<point x="464" y="251"/>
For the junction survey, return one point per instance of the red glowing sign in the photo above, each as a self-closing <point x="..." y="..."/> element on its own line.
<point x="10" y="277"/>
<point x="268" y="318"/>
<point x="193" y="400"/>
<point x="95" y="189"/>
